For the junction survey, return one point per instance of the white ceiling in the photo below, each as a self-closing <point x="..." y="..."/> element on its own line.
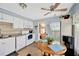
<point x="33" y="11"/>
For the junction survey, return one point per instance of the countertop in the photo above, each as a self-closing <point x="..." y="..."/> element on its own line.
<point x="7" y="33"/>
<point x="16" y="35"/>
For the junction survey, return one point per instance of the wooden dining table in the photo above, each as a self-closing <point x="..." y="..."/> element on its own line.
<point x="45" y="49"/>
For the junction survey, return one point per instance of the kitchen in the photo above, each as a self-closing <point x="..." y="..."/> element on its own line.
<point x="14" y="33"/>
<point x="20" y="28"/>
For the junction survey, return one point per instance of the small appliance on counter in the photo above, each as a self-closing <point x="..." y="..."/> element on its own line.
<point x="30" y="31"/>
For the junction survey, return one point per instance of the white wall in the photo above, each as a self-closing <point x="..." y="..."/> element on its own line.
<point x="48" y="30"/>
<point x="36" y="30"/>
<point x="66" y="27"/>
<point x="76" y="33"/>
<point x="50" y="20"/>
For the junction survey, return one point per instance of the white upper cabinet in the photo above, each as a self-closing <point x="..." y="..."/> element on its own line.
<point x="28" y="24"/>
<point x="7" y="46"/>
<point x="20" y="24"/>
<point x="25" y="24"/>
<point x="6" y="18"/>
<point x="17" y="23"/>
<point x="0" y="16"/>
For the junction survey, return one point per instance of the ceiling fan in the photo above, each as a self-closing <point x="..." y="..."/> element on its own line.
<point x="23" y="5"/>
<point x="53" y="8"/>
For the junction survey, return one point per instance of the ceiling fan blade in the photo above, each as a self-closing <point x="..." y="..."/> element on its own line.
<point x="47" y="13"/>
<point x="65" y="9"/>
<point x="45" y="9"/>
<point x="56" y="5"/>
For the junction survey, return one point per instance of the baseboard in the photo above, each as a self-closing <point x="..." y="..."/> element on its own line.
<point x="12" y="54"/>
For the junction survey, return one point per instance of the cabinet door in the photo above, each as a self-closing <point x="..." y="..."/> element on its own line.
<point x="17" y="23"/>
<point x="30" y="24"/>
<point x="25" y="23"/>
<point x="2" y="48"/>
<point x="7" y="18"/>
<point x="7" y="46"/>
<point x="20" y="42"/>
<point x="20" y="24"/>
<point x="26" y="38"/>
<point x="10" y="45"/>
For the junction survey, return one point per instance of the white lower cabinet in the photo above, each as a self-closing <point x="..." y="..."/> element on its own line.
<point x="20" y="42"/>
<point x="2" y="49"/>
<point x="29" y="41"/>
<point x="7" y="46"/>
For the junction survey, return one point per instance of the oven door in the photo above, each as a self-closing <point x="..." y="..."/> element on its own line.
<point x="30" y="36"/>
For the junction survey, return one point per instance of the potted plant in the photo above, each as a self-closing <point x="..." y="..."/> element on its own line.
<point x="50" y="40"/>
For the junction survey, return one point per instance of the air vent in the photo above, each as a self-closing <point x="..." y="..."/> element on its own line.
<point x="66" y="16"/>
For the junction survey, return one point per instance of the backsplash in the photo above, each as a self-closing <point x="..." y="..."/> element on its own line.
<point x="5" y="25"/>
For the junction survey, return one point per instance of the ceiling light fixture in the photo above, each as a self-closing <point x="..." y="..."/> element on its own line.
<point x="23" y="5"/>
